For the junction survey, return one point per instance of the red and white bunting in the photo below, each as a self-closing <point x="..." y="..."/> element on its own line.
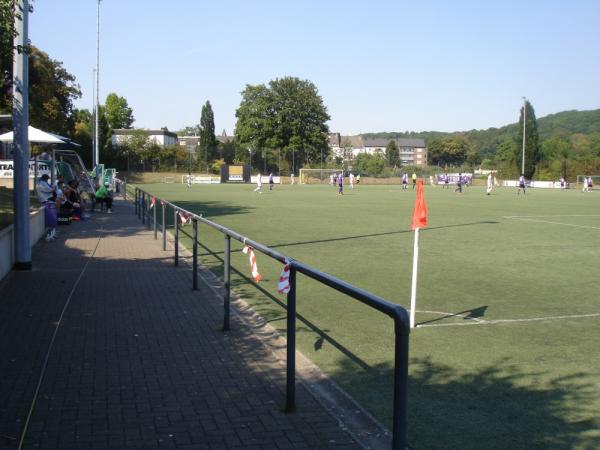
<point x="250" y="252"/>
<point x="283" y="287"/>
<point x="185" y="218"/>
<point x="152" y="202"/>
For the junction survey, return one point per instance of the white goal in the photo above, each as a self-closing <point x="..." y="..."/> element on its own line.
<point x="312" y="176"/>
<point x="167" y="180"/>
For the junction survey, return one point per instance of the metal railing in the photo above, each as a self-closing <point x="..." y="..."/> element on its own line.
<point x="143" y="199"/>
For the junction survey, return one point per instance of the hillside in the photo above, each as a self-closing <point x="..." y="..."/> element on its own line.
<point x="560" y="125"/>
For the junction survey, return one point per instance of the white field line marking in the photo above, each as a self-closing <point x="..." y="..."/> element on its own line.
<point x="552" y="222"/>
<point x="556" y="215"/>
<point x="501" y="321"/>
<point x="447" y="314"/>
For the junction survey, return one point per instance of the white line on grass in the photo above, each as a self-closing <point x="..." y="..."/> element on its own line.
<point x="501" y="321"/>
<point x="523" y="218"/>
<point x="448" y="314"/>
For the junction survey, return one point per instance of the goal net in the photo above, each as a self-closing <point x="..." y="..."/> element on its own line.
<point x="583" y="180"/>
<point x="317" y="176"/>
<point x="167" y="180"/>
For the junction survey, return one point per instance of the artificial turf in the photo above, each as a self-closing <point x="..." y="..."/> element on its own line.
<point x="508" y="301"/>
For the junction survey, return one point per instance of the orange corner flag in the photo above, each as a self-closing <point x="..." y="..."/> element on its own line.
<point x="419" y="219"/>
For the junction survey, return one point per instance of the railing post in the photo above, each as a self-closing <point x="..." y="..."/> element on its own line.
<point x="400" y="419"/>
<point x="164" y="227"/>
<point x="227" y="281"/>
<point x="290" y="398"/>
<point x="139" y="209"/>
<point x="143" y="205"/>
<point x="195" y="255"/>
<point x="147" y="204"/>
<point x="176" y="233"/>
<point x="136" y="201"/>
<point x="125" y="188"/>
<point x="154" y="212"/>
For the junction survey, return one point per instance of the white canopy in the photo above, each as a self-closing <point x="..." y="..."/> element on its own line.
<point x="36" y="135"/>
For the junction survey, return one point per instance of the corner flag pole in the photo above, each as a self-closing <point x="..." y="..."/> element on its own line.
<point x="419" y="220"/>
<point x="413" y="289"/>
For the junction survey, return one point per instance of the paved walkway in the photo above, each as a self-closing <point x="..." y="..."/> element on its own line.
<point x="137" y="359"/>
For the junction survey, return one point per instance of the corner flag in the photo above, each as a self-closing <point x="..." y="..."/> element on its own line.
<point x="419" y="220"/>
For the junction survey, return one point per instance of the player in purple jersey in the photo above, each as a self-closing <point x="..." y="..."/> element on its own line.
<point x="521" y="184"/>
<point x="341" y="184"/>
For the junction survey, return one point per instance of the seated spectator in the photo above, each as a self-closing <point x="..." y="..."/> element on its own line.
<point x="72" y="195"/>
<point x="103" y="195"/>
<point x="44" y="190"/>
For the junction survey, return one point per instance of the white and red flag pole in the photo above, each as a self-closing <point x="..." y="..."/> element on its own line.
<point x="419" y="220"/>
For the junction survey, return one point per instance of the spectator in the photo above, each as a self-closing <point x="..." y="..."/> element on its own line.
<point x="103" y="195"/>
<point x="44" y="190"/>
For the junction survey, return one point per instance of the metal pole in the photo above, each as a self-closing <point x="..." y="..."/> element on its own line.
<point x="195" y="255"/>
<point x="125" y="188"/>
<point x="164" y="228"/>
<point x="290" y="398"/>
<point x="227" y="282"/>
<point x="143" y="207"/>
<point x="97" y="149"/>
<point x="137" y="201"/>
<point x="22" y="240"/>
<point x="176" y="229"/>
<point x="524" y="123"/>
<point x="155" y="227"/>
<point x="400" y="418"/>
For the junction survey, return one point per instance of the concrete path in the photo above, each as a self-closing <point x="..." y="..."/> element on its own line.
<point x="133" y="358"/>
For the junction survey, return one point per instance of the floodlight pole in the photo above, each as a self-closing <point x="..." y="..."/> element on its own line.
<point x="22" y="241"/>
<point x="524" y="122"/>
<point x="97" y="135"/>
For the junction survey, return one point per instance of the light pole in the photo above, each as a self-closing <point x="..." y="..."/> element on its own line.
<point x="524" y="122"/>
<point x="97" y="137"/>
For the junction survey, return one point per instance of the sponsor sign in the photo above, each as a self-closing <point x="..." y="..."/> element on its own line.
<point x="7" y="168"/>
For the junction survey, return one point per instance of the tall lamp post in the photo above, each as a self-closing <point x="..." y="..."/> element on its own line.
<point x="97" y="136"/>
<point x="524" y="123"/>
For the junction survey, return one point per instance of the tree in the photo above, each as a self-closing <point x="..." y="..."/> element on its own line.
<point x="392" y="154"/>
<point x="51" y="93"/>
<point x="208" y="141"/>
<point x="448" y="151"/>
<point x="8" y="49"/>
<point x="532" y="146"/>
<point x="288" y="115"/>
<point x="118" y="113"/>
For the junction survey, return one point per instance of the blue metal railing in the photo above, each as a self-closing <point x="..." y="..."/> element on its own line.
<point x="396" y="312"/>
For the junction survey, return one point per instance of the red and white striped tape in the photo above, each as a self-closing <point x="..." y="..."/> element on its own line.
<point x="283" y="287"/>
<point x="250" y="252"/>
<point x="185" y="218"/>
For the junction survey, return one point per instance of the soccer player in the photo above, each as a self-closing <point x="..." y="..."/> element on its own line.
<point x="340" y="181"/>
<point x="358" y="178"/>
<point x="562" y="183"/>
<point x="521" y="184"/>
<point x="292" y="178"/>
<point x="271" y="181"/>
<point x="490" y="183"/>
<point x="414" y="180"/>
<point x="404" y="181"/>
<point x="447" y="181"/>
<point x="459" y="184"/>
<point x="590" y="184"/>
<point x="188" y="179"/>
<point x="258" y="184"/>
<point x="351" y="178"/>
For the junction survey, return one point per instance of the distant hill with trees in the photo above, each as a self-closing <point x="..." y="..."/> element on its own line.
<point x="569" y="141"/>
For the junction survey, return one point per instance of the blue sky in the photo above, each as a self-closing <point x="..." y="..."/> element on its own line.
<point x="379" y="65"/>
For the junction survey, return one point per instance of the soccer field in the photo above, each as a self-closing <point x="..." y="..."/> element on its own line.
<point x="506" y="354"/>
